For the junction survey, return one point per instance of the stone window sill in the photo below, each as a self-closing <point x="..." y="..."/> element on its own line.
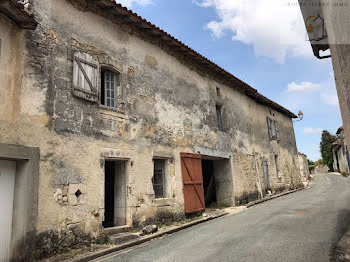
<point x="112" y="109"/>
<point x="111" y="112"/>
<point x="164" y="202"/>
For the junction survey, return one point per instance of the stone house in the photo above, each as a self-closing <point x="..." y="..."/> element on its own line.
<point x="321" y="169"/>
<point x="340" y="153"/>
<point x="108" y="121"/>
<point x="304" y="167"/>
<point x="333" y="35"/>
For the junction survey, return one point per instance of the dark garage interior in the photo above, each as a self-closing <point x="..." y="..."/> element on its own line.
<point x="209" y="182"/>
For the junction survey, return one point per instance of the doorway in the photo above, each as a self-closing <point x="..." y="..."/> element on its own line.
<point x="265" y="168"/>
<point x="217" y="181"/>
<point x="115" y="193"/>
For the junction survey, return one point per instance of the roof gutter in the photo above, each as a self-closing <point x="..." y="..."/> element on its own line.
<point x="16" y="11"/>
<point x="317" y="48"/>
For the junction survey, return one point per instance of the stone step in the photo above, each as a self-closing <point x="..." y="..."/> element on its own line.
<point x="116" y="230"/>
<point x="123" y="238"/>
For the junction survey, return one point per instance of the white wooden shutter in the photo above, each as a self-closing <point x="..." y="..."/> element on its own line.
<point x="85" y="76"/>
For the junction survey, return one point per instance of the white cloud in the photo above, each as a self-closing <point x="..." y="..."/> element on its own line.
<point x="312" y="131"/>
<point x="312" y="95"/>
<point x="330" y="98"/>
<point x="129" y="3"/>
<point x="302" y="87"/>
<point x="275" y="29"/>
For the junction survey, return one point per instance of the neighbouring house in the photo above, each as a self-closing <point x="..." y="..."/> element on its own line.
<point x="320" y="169"/>
<point x="304" y="167"/>
<point x="340" y="153"/>
<point x="108" y="121"/>
<point x="327" y="28"/>
<point x="19" y="162"/>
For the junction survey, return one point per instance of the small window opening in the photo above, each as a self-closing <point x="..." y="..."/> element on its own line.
<point x="218" y="92"/>
<point x="109" y="83"/>
<point x="158" y="178"/>
<point x="219" y="117"/>
<point x="78" y="193"/>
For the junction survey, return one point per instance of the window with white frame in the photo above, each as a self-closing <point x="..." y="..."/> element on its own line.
<point x="109" y="88"/>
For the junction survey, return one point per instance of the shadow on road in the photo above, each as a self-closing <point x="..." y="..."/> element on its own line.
<point x="340" y="251"/>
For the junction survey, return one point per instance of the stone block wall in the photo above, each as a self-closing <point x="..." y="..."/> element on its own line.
<point x="164" y="106"/>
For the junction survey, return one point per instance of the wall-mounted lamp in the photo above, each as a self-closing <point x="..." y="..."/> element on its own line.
<point x="300" y="116"/>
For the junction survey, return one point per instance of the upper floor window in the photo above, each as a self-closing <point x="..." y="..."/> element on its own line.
<point x="269" y="128"/>
<point x="87" y="71"/>
<point x="85" y="76"/>
<point x="277" y="131"/>
<point x="109" y="84"/>
<point x="219" y="117"/>
<point x="218" y="92"/>
<point x="273" y="129"/>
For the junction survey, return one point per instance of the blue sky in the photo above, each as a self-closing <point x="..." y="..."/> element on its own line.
<point x="262" y="42"/>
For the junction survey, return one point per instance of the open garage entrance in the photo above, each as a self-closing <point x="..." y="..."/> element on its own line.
<point x="115" y="193"/>
<point x="217" y="181"/>
<point x="207" y="181"/>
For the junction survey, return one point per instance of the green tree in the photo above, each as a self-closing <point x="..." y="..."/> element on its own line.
<point x="310" y="162"/>
<point x="326" y="148"/>
<point x="319" y="162"/>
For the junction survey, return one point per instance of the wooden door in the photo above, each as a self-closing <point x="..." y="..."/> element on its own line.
<point x="265" y="168"/>
<point x="191" y="167"/>
<point x="7" y="191"/>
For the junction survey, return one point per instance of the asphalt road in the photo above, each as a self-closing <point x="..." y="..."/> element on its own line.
<point x="303" y="226"/>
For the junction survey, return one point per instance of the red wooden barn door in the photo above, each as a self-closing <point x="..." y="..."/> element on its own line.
<point x="191" y="167"/>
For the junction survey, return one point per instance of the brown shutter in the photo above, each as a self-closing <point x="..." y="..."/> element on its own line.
<point x="85" y="76"/>
<point x="277" y="131"/>
<point x="191" y="167"/>
<point x="269" y="127"/>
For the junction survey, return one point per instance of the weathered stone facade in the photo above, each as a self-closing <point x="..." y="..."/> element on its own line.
<point x="304" y="167"/>
<point x="321" y="169"/>
<point x="335" y="27"/>
<point x="340" y="153"/>
<point x="165" y="105"/>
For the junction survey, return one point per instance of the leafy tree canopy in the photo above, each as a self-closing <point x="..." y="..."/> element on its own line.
<point x="319" y="162"/>
<point x="310" y="162"/>
<point x="326" y="148"/>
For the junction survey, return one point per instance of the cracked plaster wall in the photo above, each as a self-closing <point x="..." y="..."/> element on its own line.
<point x="164" y="107"/>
